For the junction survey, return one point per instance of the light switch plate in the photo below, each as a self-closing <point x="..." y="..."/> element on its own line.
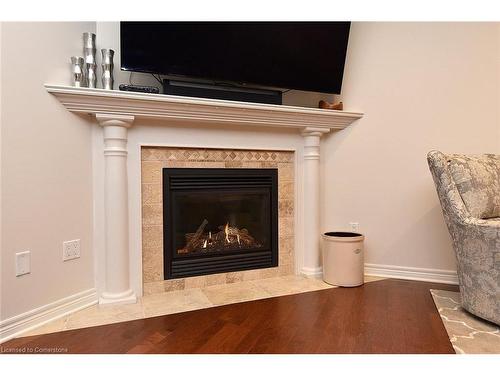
<point x="23" y="263"/>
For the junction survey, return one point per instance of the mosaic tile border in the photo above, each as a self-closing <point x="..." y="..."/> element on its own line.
<point x="212" y="154"/>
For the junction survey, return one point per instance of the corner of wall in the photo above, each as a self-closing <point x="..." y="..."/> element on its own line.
<point x="498" y="87"/>
<point x="1" y="212"/>
<point x="45" y="166"/>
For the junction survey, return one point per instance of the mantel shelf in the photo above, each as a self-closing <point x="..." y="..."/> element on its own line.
<point x="199" y="110"/>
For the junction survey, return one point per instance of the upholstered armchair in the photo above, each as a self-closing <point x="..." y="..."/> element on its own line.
<point x="469" y="191"/>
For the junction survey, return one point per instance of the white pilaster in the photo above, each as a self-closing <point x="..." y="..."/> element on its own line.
<point x="312" y="256"/>
<point x="117" y="287"/>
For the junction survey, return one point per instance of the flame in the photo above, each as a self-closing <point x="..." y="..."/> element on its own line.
<point x="209" y="235"/>
<point x="226" y="231"/>
<point x="238" y="238"/>
<point x="205" y="244"/>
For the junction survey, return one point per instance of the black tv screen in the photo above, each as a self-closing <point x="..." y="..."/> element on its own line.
<point x="289" y="55"/>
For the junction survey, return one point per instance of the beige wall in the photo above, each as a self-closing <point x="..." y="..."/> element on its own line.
<point x="422" y="87"/>
<point x="46" y="190"/>
<point x="1" y="227"/>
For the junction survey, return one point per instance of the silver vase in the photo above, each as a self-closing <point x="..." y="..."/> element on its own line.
<point x="77" y="71"/>
<point x="89" y="48"/>
<point x="89" y="52"/>
<point x="107" y="69"/>
<point x="91" y="73"/>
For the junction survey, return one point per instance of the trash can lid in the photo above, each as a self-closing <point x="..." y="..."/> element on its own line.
<point x="343" y="237"/>
<point x="342" y="234"/>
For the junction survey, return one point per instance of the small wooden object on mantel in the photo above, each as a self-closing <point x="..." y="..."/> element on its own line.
<point x="325" y="105"/>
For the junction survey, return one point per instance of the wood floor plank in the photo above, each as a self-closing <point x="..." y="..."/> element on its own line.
<point x="387" y="316"/>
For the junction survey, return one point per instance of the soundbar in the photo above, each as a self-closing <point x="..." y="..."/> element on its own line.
<point x="224" y="92"/>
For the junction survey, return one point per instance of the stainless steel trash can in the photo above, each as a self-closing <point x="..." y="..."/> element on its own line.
<point x="343" y="258"/>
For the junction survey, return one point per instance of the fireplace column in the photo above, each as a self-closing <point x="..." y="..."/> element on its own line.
<point x="117" y="287"/>
<point x="312" y="256"/>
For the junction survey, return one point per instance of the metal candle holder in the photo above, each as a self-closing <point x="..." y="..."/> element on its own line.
<point x="107" y="68"/>
<point x="89" y="52"/>
<point x="77" y="71"/>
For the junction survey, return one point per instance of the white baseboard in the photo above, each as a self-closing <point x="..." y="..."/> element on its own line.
<point x="312" y="272"/>
<point x="412" y="273"/>
<point x="12" y="327"/>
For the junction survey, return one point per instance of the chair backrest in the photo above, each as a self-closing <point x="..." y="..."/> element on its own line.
<point x="453" y="206"/>
<point x="470" y="182"/>
<point x="477" y="178"/>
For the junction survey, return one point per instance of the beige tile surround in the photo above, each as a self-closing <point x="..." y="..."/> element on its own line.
<point x="154" y="159"/>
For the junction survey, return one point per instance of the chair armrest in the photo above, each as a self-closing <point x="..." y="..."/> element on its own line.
<point x="488" y="228"/>
<point x="491" y="223"/>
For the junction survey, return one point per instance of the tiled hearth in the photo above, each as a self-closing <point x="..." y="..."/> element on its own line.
<point x="153" y="159"/>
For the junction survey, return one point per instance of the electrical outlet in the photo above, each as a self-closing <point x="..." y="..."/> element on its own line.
<point x="354" y="227"/>
<point x="71" y="250"/>
<point x="23" y="263"/>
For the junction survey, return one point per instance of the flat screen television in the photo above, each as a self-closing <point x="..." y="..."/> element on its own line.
<point x="306" y="56"/>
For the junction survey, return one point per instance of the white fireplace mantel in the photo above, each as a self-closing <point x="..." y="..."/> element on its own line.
<point x="199" y="110"/>
<point x="116" y="111"/>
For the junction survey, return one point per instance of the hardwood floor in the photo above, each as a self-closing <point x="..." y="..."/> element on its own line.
<point x="387" y="316"/>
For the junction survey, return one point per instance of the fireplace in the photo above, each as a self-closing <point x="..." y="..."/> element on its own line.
<point x="219" y="220"/>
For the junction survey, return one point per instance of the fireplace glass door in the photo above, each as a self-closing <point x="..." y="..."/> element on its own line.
<point x="219" y="220"/>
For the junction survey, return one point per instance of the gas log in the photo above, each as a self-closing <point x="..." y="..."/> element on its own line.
<point x="227" y="238"/>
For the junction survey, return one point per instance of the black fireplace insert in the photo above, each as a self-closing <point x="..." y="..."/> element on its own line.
<point x="219" y="220"/>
